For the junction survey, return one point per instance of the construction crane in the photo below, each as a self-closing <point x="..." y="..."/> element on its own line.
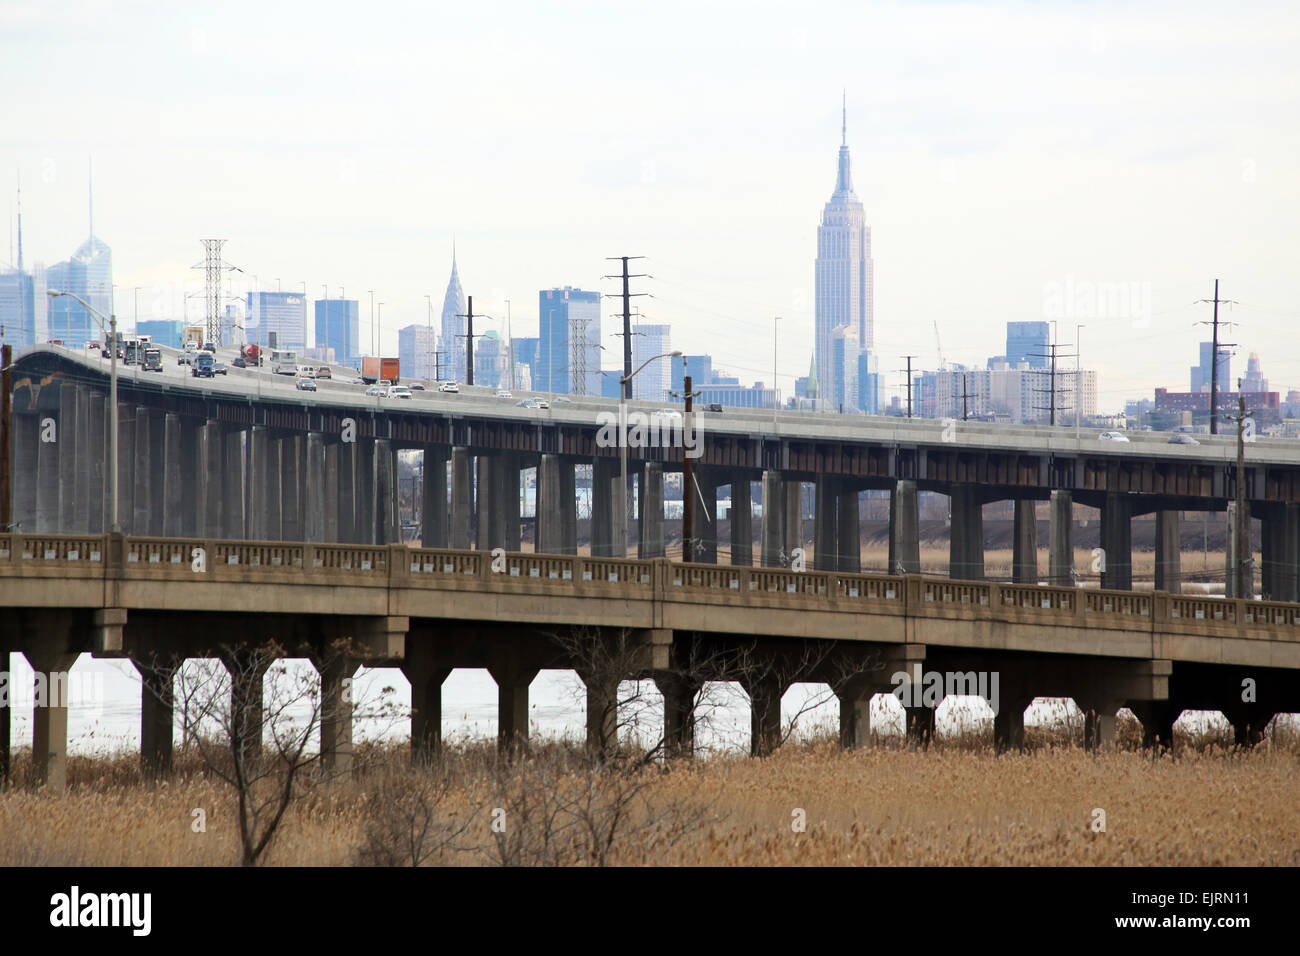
<point x="943" y="363"/>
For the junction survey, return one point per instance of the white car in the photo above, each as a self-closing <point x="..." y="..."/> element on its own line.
<point x="449" y="387"/>
<point x="399" y="391"/>
<point x="379" y="390"/>
<point x="504" y="394"/>
<point x="305" y="384"/>
<point x="1112" y="436"/>
<point x="667" y="413"/>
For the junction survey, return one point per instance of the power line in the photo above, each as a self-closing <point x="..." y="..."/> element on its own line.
<point x="627" y="319"/>
<point x="1214" y="359"/>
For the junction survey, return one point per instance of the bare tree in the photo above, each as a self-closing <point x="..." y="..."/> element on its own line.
<point x="412" y="817"/>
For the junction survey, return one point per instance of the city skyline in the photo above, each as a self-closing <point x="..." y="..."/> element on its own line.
<point x="987" y="208"/>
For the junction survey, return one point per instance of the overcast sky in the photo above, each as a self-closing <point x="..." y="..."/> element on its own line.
<point x="1005" y="152"/>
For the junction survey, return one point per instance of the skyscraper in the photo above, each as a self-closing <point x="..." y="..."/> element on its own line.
<point x="18" y="297"/>
<point x="1202" y="373"/>
<point x="416" y="351"/>
<point x="89" y="274"/>
<point x="453" y="327"/>
<point x="651" y="383"/>
<point x="282" y="314"/>
<point x="1028" y="342"/>
<point x="337" y="328"/>
<point x="844" y="271"/>
<point x="569" y="351"/>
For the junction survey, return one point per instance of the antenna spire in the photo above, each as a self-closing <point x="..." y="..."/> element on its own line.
<point x="844" y="118"/>
<point x="90" y="176"/>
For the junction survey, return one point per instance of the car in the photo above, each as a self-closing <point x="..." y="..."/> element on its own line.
<point x="209" y="347"/>
<point x="1185" y="429"/>
<point x="1112" y="436"/>
<point x="541" y="403"/>
<point x="399" y="391"/>
<point x="561" y="400"/>
<point x="449" y="387"/>
<point x="379" y="390"/>
<point x="306" y="371"/>
<point x="416" y="387"/>
<point x="667" y="413"/>
<point x="305" y="384"/>
<point x="324" y="372"/>
<point x="92" y="345"/>
<point x="504" y="394"/>
<point x="218" y="366"/>
<point x="713" y="407"/>
<point x="186" y="357"/>
<point x="240" y="362"/>
<point x="1182" y="438"/>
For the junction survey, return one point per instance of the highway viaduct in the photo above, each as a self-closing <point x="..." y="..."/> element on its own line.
<point x="242" y="466"/>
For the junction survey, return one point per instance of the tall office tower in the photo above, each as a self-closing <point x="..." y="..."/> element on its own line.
<point x="1202" y="372"/>
<point x="233" y="331"/>
<point x="845" y="353"/>
<point x="868" y="382"/>
<point x="452" y="335"/>
<point x="844" y="271"/>
<point x="1028" y="342"/>
<point x="18" y="296"/>
<point x="492" y="361"/>
<point x="417" y="351"/>
<point x="652" y="382"/>
<point x="89" y="274"/>
<point x="282" y="314"/>
<point x="337" y="328"/>
<point x="1254" y="380"/>
<point x="569" y="351"/>
<point x="526" y="360"/>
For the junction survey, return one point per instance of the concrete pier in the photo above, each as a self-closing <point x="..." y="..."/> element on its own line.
<point x="336" y="673"/>
<point x="513" y="681"/>
<point x="142" y="455"/>
<point x="605" y="492"/>
<point x="347" y="503"/>
<point x="291" y="460"/>
<point x="966" y="538"/>
<point x="25" y="450"/>
<point x="1024" y="557"/>
<point x="156" y="719"/>
<point x="433" y="507"/>
<point x="50" y="716"/>
<point x="741" y="522"/>
<point x="386" y="528"/>
<point x="68" y="469"/>
<point x="773" y="519"/>
<point x="1169" y="575"/>
<point x="679" y="695"/>
<point x="904" y="529"/>
<point x="461" y="498"/>
<point x="764" y="713"/>
<point x="1060" y="543"/>
<point x="314" y="504"/>
<point x="826" y="555"/>
<point x="650" y="512"/>
<point x="365" y="492"/>
<point x="849" y="532"/>
<point x="173" y="496"/>
<point x="548" y="540"/>
<point x="1117" y="542"/>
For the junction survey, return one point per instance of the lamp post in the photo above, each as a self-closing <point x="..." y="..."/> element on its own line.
<point x="620" y="531"/>
<point x="112" y="396"/>
<point x="428" y="339"/>
<point x="1078" y="382"/>
<point x="776" y="320"/>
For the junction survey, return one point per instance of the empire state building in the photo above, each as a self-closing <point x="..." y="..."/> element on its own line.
<point x="844" y="316"/>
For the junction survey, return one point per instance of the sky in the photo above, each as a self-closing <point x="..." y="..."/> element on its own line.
<point x="1017" y="161"/>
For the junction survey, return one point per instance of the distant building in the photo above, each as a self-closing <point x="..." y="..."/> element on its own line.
<point x="89" y="274"/>
<point x="417" y="347"/>
<point x="1201" y="373"/>
<point x="653" y="382"/>
<point x="491" y="361"/>
<point x="570" y="348"/>
<point x="276" y="316"/>
<point x="736" y="396"/>
<point x="525" y="350"/>
<point x="337" y="327"/>
<point x="232" y="327"/>
<point x="698" y="367"/>
<point x="168" y="332"/>
<point x="452" y="337"/>
<point x="845" y="353"/>
<point x="1265" y="406"/>
<point x="18" y="305"/>
<point x="1028" y="342"/>
<point x="1254" y="380"/>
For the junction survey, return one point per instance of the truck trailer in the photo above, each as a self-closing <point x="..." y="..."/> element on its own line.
<point x="375" y="370"/>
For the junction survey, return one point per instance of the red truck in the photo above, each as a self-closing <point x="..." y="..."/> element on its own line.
<point x="375" y="370"/>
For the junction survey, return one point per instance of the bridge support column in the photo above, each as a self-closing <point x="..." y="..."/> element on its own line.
<point x="69" y="466"/>
<point x="433" y="507"/>
<point x="1158" y="718"/>
<point x="335" y="671"/>
<point x="386" y="529"/>
<point x="650" y="511"/>
<point x="1024" y="558"/>
<point x="232" y="484"/>
<point x="602" y="713"/>
<point x="1248" y="724"/>
<point x="97" y="463"/>
<point x="919" y="722"/>
<point x="1230" y="557"/>
<point x="6" y="742"/>
<point x="173" y="502"/>
<point x="330" y="499"/>
<point x="1060" y="546"/>
<point x="773" y="515"/>
<point x="849" y="534"/>
<point x="426" y="679"/>
<point x="679" y="695"/>
<point x="1099" y="723"/>
<point x="364" y="500"/>
<point x="259" y="521"/>
<point x="313" y="506"/>
<point x="210" y="480"/>
<point x="1117" y="542"/>
<point x="765" y="694"/>
<point x="568" y="507"/>
<point x="81" y="498"/>
<point x="25" y="449"/>
<point x="126" y="470"/>
<point x="855" y="712"/>
<point x="904" y="529"/>
<point x="246" y="676"/>
<point x="513" y="681"/>
<point x="142" y="466"/>
<point x="50" y="716"/>
<point x="826" y="555"/>
<point x="1288" y="571"/>
<point x="48" y="475"/>
<point x="605" y="491"/>
<point x="487" y="512"/>
<point x="347" y="492"/>
<point x="1009" y="723"/>
<point x="461" y="502"/>
<point x="506" y="506"/>
<point x="273" y="491"/>
<point x="191" y="480"/>
<point x="741" y="521"/>
<point x="548" y="539"/>
<point x="157" y="420"/>
<point x="792" y="523"/>
<point x="1168" y="553"/>
<point x="156" y="714"/>
<point x="966" y="534"/>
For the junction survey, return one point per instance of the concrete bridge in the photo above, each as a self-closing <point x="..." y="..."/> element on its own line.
<point x="429" y="611"/>
<point x="251" y="457"/>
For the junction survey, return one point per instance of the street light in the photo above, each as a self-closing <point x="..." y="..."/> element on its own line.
<point x="112" y="393"/>
<point x="620" y="532"/>
<point x="1078" y="382"/>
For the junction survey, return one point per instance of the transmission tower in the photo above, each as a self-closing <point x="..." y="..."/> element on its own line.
<point x="578" y="355"/>
<point x="213" y="265"/>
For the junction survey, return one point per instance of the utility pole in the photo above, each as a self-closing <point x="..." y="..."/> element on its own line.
<point x="1214" y="357"/>
<point x="1052" y="354"/>
<point x="964" y="395"/>
<point x="627" y="319"/>
<point x="6" y="451"/>
<point x="909" y="383"/>
<point x="688" y="480"/>
<point x="469" y="336"/>
<point x="1241" y="533"/>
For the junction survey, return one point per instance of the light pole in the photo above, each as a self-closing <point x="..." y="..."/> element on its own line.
<point x="326" y="303"/>
<point x="1078" y="382"/>
<point x="115" y="528"/>
<point x="372" y="320"/>
<point x="428" y="338"/>
<point x="620" y="530"/>
<point x="775" y="325"/>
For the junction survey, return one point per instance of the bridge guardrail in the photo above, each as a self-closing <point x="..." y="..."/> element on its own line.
<point x="236" y="561"/>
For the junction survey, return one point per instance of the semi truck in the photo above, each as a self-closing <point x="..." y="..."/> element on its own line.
<point x="375" y="370"/>
<point x="152" y="360"/>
